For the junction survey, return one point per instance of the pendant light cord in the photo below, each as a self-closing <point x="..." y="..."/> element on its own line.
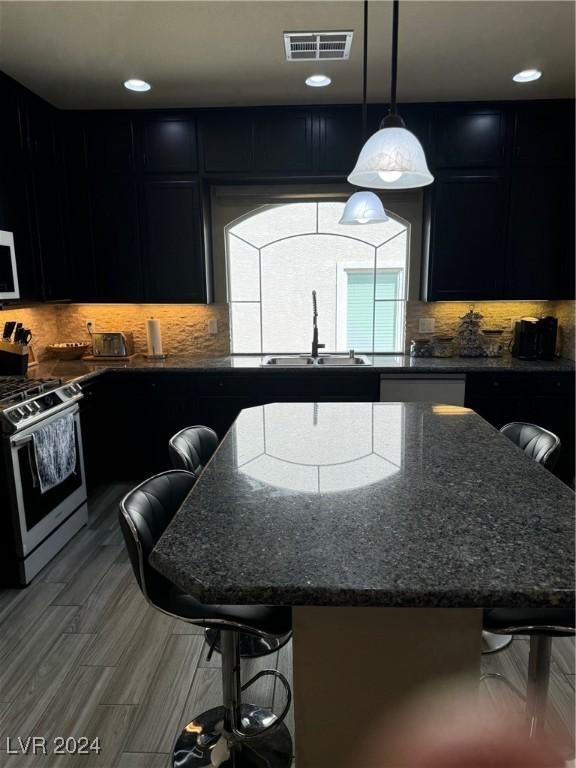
<point x="394" y="68"/>
<point x="393" y="119"/>
<point x="365" y="76"/>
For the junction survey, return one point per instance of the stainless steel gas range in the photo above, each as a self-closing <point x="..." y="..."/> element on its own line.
<point x="34" y="526"/>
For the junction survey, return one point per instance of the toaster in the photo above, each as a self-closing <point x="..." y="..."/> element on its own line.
<point x="112" y="344"/>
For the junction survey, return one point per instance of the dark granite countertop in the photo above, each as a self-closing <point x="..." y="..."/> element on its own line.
<point x="380" y="363"/>
<point x="364" y="504"/>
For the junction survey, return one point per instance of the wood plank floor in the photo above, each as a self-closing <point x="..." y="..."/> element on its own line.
<point x="82" y="654"/>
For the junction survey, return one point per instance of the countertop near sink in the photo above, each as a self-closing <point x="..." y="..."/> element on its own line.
<point x="74" y="369"/>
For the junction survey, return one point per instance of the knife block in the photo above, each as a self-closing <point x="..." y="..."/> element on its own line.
<point x="13" y="359"/>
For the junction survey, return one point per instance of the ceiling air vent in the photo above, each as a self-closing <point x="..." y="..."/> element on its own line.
<point x="315" y="46"/>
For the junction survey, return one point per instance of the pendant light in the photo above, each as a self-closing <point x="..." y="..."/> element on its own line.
<point x="364" y="207"/>
<point x="393" y="157"/>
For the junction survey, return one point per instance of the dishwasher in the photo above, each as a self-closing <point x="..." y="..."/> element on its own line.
<point x="445" y="388"/>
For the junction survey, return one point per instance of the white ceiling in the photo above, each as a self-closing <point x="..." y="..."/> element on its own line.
<point x="77" y="54"/>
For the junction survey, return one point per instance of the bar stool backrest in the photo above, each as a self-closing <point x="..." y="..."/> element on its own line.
<point x="192" y="448"/>
<point x="538" y="443"/>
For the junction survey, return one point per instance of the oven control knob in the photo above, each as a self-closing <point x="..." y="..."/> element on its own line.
<point x="16" y="415"/>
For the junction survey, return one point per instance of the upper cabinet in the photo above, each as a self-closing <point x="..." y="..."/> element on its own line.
<point x="169" y="145"/>
<point x="469" y="138"/>
<point x="109" y="142"/>
<point x="339" y="139"/>
<point x="540" y="247"/>
<point x="467" y="237"/>
<point x="227" y="142"/>
<point x="283" y="141"/>
<point x="173" y="247"/>
<point x="501" y="210"/>
<point x="114" y="206"/>
<point x="544" y="134"/>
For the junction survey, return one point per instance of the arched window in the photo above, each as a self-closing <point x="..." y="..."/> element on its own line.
<point x="278" y="254"/>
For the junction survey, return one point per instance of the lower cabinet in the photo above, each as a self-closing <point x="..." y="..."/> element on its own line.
<point x="543" y="399"/>
<point x="128" y="417"/>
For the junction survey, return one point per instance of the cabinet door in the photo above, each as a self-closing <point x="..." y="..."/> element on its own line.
<point x="283" y="141"/>
<point x="540" y="261"/>
<point x="544" y="135"/>
<point x="115" y="237"/>
<point x="109" y="143"/>
<point x="78" y="215"/>
<point x="48" y="185"/>
<point x="17" y="208"/>
<point x="173" y="248"/>
<point x="469" y="139"/>
<point x="340" y="139"/>
<point x="169" y="145"/>
<point x="227" y="139"/>
<point x="467" y="238"/>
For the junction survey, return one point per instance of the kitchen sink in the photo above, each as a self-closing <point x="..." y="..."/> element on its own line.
<point x="290" y="360"/>
<point x="359" y="360"/>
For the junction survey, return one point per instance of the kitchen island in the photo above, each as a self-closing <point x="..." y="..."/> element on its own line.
<point x="388" y="527"/>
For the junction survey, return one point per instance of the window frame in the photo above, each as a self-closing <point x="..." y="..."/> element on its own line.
<point x="404" y="273"/>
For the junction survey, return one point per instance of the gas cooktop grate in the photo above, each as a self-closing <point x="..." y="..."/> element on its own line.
<point x="20" y="388"/>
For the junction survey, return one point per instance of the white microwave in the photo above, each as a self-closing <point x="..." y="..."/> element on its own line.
<point x="8" y="273"/>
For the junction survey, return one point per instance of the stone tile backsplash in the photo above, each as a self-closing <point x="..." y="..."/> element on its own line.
<point x="185" y="326"/>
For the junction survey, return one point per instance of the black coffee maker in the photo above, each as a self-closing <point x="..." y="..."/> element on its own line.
<point x="547" y="331"/>
<point x="535" y="339"/>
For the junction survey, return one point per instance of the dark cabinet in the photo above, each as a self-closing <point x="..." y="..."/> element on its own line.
<point x="173" y="247"/>
<point x="48" y="192"/>
<point x="169" y="145"/>
<point x="469" y="139"/>
<point x="544" y="135"/>
<point x="116" y="239"/>
<point x="109" y="143"/>
<point x="467" y="237"/>
<point x="79" y="241"/>
<point x="540" y="253"/>
<point x="339" y="140"/>
<point x="227" y="142"/>
<point x="283" y="141"/>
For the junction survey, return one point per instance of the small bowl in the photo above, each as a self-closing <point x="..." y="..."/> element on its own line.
<point x="72" y="350"/>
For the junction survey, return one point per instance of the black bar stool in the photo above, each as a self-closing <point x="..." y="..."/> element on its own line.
<point x="541" y="625"/>
<point x="191" y="449"/>
<point x="544" y="447"/>
<point x="235" y="734"/>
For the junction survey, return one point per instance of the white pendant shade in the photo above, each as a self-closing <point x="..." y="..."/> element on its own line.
<point x="363" y="208"/>
<point x="392" y="158"/>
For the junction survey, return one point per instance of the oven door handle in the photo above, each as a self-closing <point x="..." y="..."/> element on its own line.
<point x="16" y="441"/>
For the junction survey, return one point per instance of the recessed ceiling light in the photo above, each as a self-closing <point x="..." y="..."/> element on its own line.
<point x="527" y="75"/>
<point x="318" y="81"/>
<point x="134" y="84"/>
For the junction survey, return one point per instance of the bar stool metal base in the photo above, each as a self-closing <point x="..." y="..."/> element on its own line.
<point x="272" y="749"/>
<point x="251" y="646"/>
<point x="492" y="643"/>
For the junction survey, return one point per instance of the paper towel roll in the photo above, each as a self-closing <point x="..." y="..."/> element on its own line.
<point x="154" y="338"/>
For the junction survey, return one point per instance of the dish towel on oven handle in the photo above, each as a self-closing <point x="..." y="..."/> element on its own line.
<point x="54" y="451"/>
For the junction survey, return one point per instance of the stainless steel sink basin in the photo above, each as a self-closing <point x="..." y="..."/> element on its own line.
<point x="335" y="360"/>
<point x="289" y="360"/>
<point x="358" y="360"/>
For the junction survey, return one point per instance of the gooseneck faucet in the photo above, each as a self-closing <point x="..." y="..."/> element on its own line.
<point x="315" y="345"/>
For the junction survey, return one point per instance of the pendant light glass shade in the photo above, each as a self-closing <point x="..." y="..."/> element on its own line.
<point x="392" y="158"/>
<point x="363" y="208"/>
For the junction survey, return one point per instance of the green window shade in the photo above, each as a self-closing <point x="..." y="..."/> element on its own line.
<point x="361" y="314"/>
